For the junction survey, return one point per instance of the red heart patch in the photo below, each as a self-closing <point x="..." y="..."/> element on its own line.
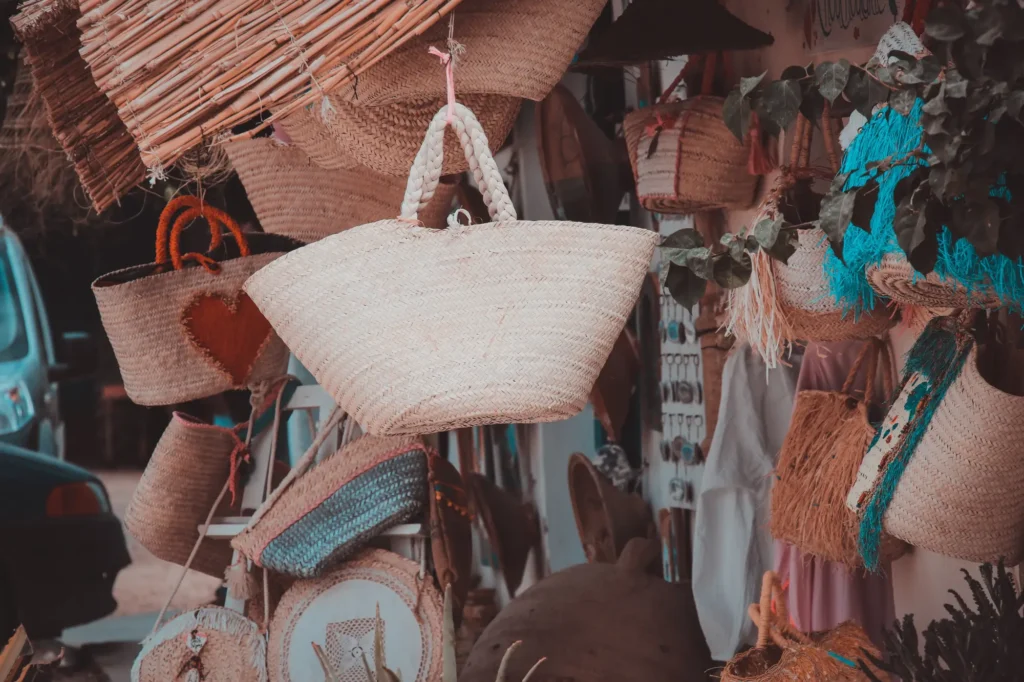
<point x="231" y="333"/>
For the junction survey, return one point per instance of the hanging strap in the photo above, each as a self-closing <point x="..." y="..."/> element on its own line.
<point x="869" y="354"/>
<point x="774" y="626"/>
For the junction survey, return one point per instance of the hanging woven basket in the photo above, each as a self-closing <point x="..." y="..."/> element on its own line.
<point x="895" y="278"/>
<point x="181" y="327"/>
<point x="508" y="322"/>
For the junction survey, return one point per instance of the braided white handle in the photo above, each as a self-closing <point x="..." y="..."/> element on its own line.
<point x="425" y="173"/>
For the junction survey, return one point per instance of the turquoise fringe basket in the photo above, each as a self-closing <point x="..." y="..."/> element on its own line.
<point x="984" y="282"/>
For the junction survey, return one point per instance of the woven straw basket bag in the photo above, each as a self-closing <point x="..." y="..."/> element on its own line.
<point x="895" y="278"/>
<point x="210" y="644"/>
<point x="414" y="330"/>
<point x="829" y="433"/>
<point x="339" y="612"/>
<point x="181" y="327"/>
<point x="295" y="197"/>
<point x="783" y="654"/>
<point x="685" y="160"/>
<point x="338" y="505"/>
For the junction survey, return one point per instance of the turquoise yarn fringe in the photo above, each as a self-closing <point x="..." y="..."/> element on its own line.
<point x="891" y="134"/>
<point x="939" y="356"/>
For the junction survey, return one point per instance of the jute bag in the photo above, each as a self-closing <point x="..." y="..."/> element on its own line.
<point x="944" y="472"/>
<point x="413" y="330"/>
<point x="181" y="327"/>
<point x="211" y="644"/>
<point x="785" y="654"/>
<point x="827" y="438"/>
<point x="787" y="302"/>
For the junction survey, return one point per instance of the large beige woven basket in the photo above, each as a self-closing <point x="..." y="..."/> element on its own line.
<point x="190" y="333"/>
<point x="960" y="493"/>
<point x="696" y="165"/>
<point x="416" y="331"/>
<point x="294" y="196"/>
<point x="181" y="483"/>
<point x="895" y="278"/>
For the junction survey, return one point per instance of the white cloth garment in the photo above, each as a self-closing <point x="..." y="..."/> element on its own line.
<point x="732" y="543"/>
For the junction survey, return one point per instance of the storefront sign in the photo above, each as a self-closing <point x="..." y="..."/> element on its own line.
<point x="840" y="24"/>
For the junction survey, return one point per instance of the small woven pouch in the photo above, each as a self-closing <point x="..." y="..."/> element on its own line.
<point x="337" y="505"/>
<point x="181" y="327"/>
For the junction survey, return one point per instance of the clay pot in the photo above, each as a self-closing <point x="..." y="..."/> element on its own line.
<point x="598" y="623"/>
<point x="606" y="517"/>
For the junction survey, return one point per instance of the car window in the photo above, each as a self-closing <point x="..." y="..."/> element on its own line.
<point x="13" y="339"/>
<point x="42" y="319"/>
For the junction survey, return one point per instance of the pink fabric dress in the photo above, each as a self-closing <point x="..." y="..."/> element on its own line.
<point x="823" y="594"/>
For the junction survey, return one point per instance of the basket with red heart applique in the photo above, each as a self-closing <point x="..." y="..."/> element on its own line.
<point x="181" y="327"/>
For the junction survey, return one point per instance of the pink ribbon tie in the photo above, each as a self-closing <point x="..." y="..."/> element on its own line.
<point x="449" y="73"/>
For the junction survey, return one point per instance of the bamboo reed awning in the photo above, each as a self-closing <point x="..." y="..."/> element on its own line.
<point x="181" y="72"/>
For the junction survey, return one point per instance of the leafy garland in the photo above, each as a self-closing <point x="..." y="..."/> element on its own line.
<point x="972" y="87"/>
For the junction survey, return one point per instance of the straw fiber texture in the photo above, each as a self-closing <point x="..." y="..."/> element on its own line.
<point x="188" y="468"/>
<point x="234" y="650"/>
<point x="385" y="138"/>
<point x="960" y="493"/>
<point x="518" y="48"/>
<point x="84" y="121"/>
<point x="697" y="163"/>
<point x="143" y="314"/>
<point x="336" y="507"/>
<point x="507" y="322"/>
<point x="295" y="197"/>
<point x="312" y="609"/>
<point x="895" y="278"/>
<point x="307" y="131"/>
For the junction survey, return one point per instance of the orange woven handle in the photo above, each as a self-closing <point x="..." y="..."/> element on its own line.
<point x="216" y="219"/>
<point x="163" y="229"/>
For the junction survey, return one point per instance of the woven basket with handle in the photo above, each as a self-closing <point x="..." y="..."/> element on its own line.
<point x="181" y="327"/>
<point x="508" y="322"/>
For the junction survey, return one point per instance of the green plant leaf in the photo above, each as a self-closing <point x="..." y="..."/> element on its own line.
<point x="984" y="220"/>
<point x="731" y="273"/>
<point x="748" y="85"/>
<point x="685" y="287"/>
<point x="864" y="204"/>
<point x="781" y="102"/>
<point x="812" y="105"/>
<point x="836" y="212"/>
<point x="785" y="246"/>
<point x="767" y="231"/>
<point x="831" y="78"/>
<point x="736" y="114"/>
<point x="902" y="100"/>
<point x="676" y="246"/>
<point x="793" y="73"/>
<point x="735" y="244"/>
<point x="945" y="23"/>
<point x="915" y="233"/>
<point x="955" y="86"/>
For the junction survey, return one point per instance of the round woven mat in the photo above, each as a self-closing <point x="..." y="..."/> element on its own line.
<point x="895" y="278"/>
<point x="338" y="613"/>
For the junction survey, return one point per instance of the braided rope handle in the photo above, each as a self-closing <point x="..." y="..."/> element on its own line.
<point x="774" y="626"/>
<point x="425" y="173"/>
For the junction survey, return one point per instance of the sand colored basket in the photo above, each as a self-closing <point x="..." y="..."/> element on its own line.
<point x="338" y="613"/>
<point x="518" y="48"/>
<point x="224" y="645"/>
<point x="295" y="197"/>
<point x="386" y="138"/>
<point x="84" y="121"/>
<point x="696" y="164"/>
<point x="783" y="653"/>
<point x="829" y="433"/>
<point x="337" y="506"/>
<point x="895" y="278"/>
<point x="181" y="327"/>
<point x="183" y="479"/>
<point x="508" y="322"/>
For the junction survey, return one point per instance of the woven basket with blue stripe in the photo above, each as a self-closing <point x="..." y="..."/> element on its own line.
<point x="340" y="504"/>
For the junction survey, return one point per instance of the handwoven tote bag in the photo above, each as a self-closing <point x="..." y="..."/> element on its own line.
<point x="414" y="330"/>
<point x="949" y="452"/>
<point x="783" y="654"/>
<point x="181" y="327"/>
<point x="338" y="612"/>
<point x="338" y="505"/>
<point x="827" y="438"/>
<point x="211" y="644"/>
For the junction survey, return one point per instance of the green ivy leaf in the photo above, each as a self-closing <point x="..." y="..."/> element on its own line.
<point x="903" y="100"/>
<point x="781" y="102"/>
<point x="831" y="78"/>
<point x="984" y="221"/>
<point x="836" y="212"/>
<point x="864" y="204"/>
<point x="731" y="273"/>
<point x="684" y="286"/>
<point x="734" y="243"/>
<point x="748" y="85"/>
<point x="945" y="23"/>
<point x="812" y="105"/>
<point x="736" y="114"/>
<point x="915" y="233"/>
<point x="793" y="73"/>
<point x="767" y="231"/>
<point x="955" y="85"/>
<point x="784" y="246"/>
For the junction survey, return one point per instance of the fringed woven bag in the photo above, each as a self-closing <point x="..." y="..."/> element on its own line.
<point x="787" y="302"/>
<point x="944" y="471"/>
<point x="784" y="654"/>
<point x="337" y="505"/>
<point x="507" y="322"/>
<point x="211" y="644"/>
<point x="181" y="327"/>
<point x="828" y="436"/>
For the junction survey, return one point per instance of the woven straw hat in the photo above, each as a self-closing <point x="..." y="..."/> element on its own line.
<point x="295" y="197"/>
<point x="519" y="48"/>
<point x="182" y="480"/>
<point x="508" y="322"/>
<point x="338" y="613"/>
<point x="895" y="278"/>
<point x="386" y="138"/>
<point x="224" y="645"/>
<point x="333" y="509"/>
<point x="697" y="165"/>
